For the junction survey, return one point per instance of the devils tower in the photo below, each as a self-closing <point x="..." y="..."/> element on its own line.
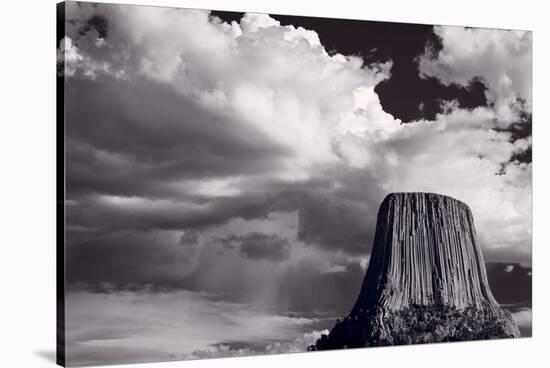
<point x="426" y="280"/>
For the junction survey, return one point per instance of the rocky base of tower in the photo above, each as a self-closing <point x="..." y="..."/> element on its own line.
<point x="418" y="324"/>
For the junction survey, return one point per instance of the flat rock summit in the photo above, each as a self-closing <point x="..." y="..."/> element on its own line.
<point x="426" y="281"/>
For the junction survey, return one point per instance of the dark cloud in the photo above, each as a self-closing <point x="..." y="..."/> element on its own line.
<point x="127" y="260"/>
<point x="141" y="138"/>
<point x="307" y="291"/>
<point x="189" y="237"/>
<point x="118" y="213"/>
<point x="339" y="217"/>
<point x="137" y="261"/>
<point x="332" y="224"/>
<point x="264" y="247"/>
<point x="98" y="23"/>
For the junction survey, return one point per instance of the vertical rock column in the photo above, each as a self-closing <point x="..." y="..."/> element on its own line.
<point x="426" y="273"/>
<point x="425" y="252"/>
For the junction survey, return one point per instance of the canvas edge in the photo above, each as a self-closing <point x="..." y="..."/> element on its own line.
<point x="60" y="194"/>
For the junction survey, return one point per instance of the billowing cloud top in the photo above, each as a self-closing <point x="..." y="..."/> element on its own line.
<point x="502" y="59"/>
<point x="244" y="160"/>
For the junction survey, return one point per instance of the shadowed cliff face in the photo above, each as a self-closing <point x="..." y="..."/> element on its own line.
<point x="426" y="280"/>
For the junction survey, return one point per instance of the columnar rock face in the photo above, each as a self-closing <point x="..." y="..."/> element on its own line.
<point x="426" y="280"/>
<point x="425" y="252"/>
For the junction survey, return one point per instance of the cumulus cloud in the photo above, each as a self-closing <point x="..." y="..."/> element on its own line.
<point x="68" y="58"/>
<point x="501" y="59"/>
<point x="298" y="345"/>
<point x="171" y="126"/>
<point x="252" y="22"/>
<point x="462" y="155"/>
<point x="270" y="77"/>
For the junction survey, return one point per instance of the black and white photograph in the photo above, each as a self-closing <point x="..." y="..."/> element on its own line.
<point x="239" y="183"/>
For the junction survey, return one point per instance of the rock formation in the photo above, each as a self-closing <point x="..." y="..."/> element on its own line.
<point x="426" y="280"/>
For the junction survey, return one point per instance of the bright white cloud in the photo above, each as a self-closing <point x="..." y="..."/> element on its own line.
<point x="252" y="22"/>
<point x="458" y="154"/>
<point x="277" y="79"/>
<point x="68" y="56"/>
<point x="502" y="59"/>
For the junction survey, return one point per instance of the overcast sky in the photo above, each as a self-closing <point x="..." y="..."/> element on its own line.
<point x="224" y="170"/>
